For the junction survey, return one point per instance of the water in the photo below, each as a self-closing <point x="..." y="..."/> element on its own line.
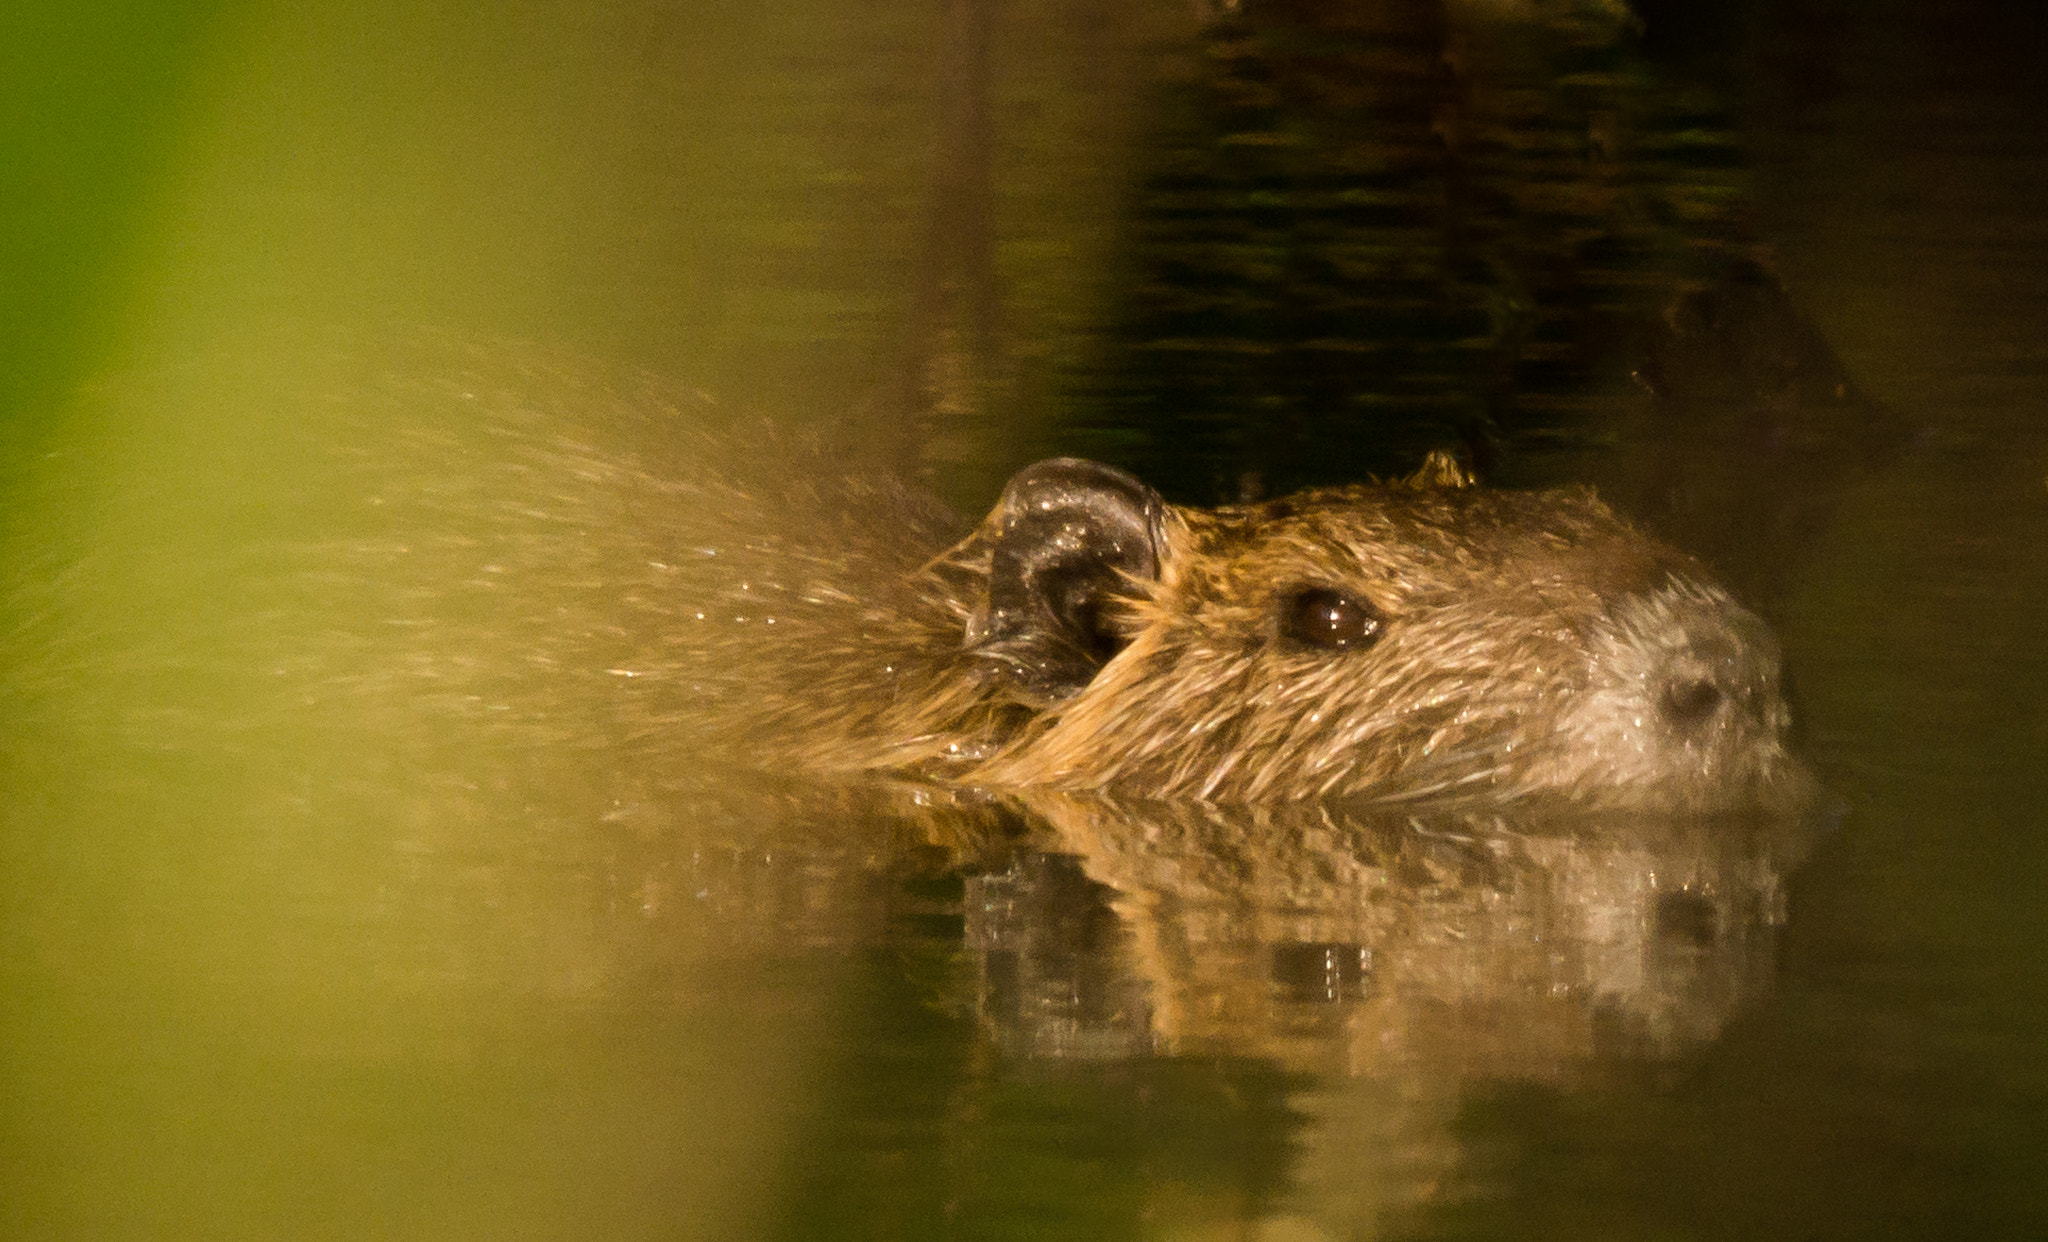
<point x="278" y="968"/>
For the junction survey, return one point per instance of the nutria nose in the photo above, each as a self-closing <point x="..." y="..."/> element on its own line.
<point x="1720" y="658"/>
<point x="1685" y="704"/>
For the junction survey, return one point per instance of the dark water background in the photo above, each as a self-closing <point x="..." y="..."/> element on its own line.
<point x="1774" y="275"/>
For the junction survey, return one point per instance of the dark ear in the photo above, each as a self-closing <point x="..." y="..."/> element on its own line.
<point x="1068" y="535"/>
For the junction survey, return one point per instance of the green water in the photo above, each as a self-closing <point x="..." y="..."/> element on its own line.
<point x="273" y="968"/>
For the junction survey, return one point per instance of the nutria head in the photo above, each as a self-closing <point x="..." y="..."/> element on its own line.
<point x="1418" y="639"/>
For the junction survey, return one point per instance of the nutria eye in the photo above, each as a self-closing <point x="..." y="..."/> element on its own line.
<point x="1328" y="620"/>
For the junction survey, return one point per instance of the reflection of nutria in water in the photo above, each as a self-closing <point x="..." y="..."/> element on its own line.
<point x="469" y="544"/>
<point x="1387" y="942"/>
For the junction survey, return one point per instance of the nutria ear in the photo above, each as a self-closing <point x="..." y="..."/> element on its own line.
<point x="1068" y="535"/>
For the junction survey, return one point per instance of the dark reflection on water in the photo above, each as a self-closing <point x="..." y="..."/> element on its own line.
<point x="1370" y="231"/>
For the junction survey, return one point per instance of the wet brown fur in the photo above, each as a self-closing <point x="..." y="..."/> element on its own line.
<point x="1486" y="682"/>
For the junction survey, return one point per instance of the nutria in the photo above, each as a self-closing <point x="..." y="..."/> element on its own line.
<point x="1426" y="638"/>
<point x="572" y="565"/>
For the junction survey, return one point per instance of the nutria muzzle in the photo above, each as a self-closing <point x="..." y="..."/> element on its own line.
<point x="1682" y="704"/>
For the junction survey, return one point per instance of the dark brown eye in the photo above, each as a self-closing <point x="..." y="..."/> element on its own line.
<point x="1328" y="620"/>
